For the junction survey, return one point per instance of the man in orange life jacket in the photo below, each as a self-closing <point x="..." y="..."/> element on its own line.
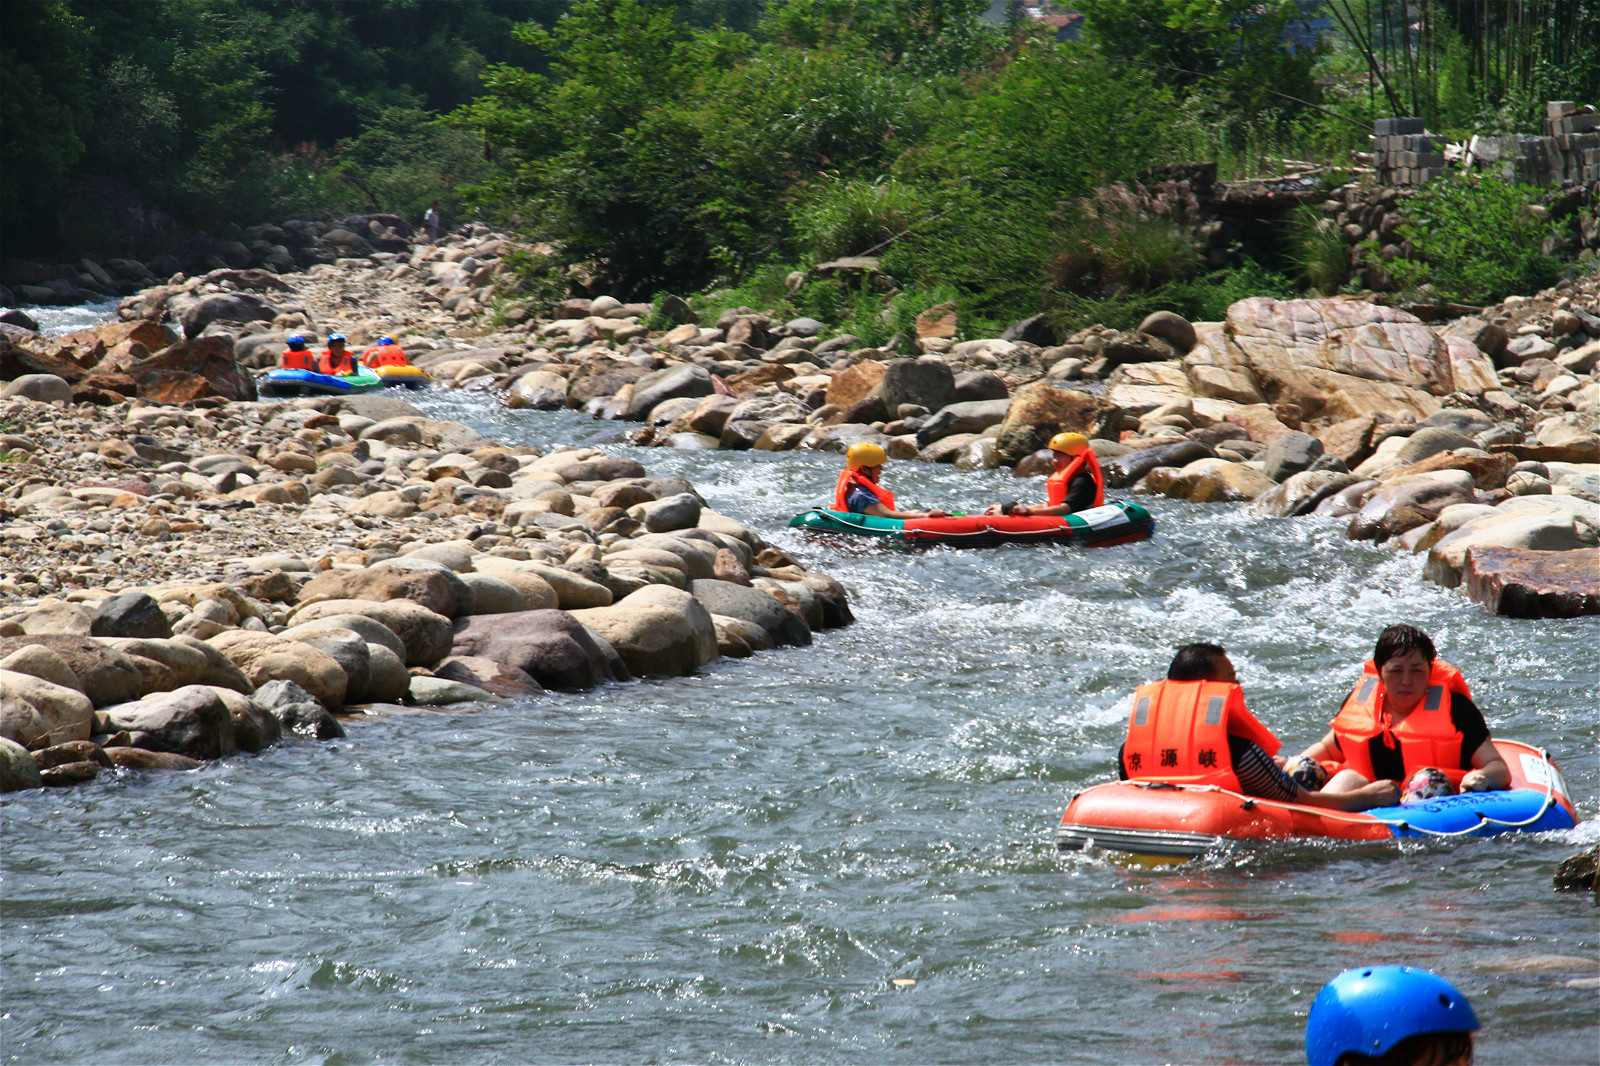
<point x="387" y="353"/>
<point x="336" y="359"/>
<point x="1409" y="711"/>
<point x="858" y="489"/>
<point x="1193" y="728"/>
<point x="1075" y="485"/>
<point x="295" y="356"/>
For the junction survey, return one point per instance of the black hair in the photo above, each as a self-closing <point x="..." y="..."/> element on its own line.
<point x="1196" y="662"/>
<point x="1401" y="640"/>
<point x="1424" y="1049"/>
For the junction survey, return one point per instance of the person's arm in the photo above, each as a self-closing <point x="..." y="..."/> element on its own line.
<point x="1489" y="771"/>
<point x="1325" y="750"/>
<point x="878" y="510"/>
<point x="1378" y="794"/>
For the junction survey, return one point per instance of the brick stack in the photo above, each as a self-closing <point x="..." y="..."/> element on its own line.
<point x="1572" y="143"/>
<point x="1406" y="153"/>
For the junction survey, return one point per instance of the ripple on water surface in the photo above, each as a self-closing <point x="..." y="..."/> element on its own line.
<point x="738" y="866"/>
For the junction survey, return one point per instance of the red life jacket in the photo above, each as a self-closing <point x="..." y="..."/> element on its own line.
<point x="849" y="479"/>
<point x="1178" y="733"/>
<point x="298" y="360"/>
<point x="1056" y="486"/>
<point x="384" y="355"/>
<point x="340" y="362"/>
<point x="1427" y="736"/>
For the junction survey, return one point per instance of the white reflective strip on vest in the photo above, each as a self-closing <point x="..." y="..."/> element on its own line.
<point x="1214" y="710"/>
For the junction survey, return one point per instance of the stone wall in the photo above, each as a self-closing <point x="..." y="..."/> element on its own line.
<point x="1567" y="154"/>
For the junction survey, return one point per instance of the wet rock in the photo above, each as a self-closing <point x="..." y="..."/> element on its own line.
<point x="1290" y="454"/>
<point x="1135" y="465"/>
<point x="254" y="727"/>
<point x="18" y="771"/>
<point x="191" y="720"/>
<point x="1395" y="508"/>
<point x="552" y="647"/>
<point x="1538" y="531"/>
<point x="1040" y="410"/>
<point x="70" y="752"/>
<point x="141" y="759"/>
<point x="497" y="678"/>
<point x="1534" y="584"/>
<point x="298" y="711"/>
<point x="105" y="674"/>
<point x="263" y="657"/>
<point x="752" y="605"/>
<point x="1580" y="872"/>
<point x="37" y="713"/>
<point x="69" y="774"/>
<point x="667" y="384"/>
<point x="1299" y="494"/>
<point x="442" y="692"/>
<point x="132" y="614"/>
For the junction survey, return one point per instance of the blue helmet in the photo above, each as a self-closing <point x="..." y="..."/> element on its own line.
<point x="295" y="340"/>
<point x="336" y="337"/>
<point x="386" y="340"/>
<point x="1373" y="1008"/>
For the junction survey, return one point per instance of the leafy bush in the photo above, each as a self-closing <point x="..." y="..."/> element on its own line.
<point x="1476" y="240"/>
<point x="1318" y="249"/>
<point x="1109" y="244"/>
<point x="1199" y="299"/>
<point x="853" y="217"/>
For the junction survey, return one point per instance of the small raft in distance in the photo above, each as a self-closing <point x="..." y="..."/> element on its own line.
<point x="1115" y="523"/>
<point x="406" y="376"/>
<point x="282" y="382"/>
<point x="1186" y="821"/>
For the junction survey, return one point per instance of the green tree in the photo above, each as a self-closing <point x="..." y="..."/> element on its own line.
<point x="45" y="98"/>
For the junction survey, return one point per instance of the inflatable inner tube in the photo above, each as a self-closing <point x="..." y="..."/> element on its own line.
<point x="1115" y="523"/>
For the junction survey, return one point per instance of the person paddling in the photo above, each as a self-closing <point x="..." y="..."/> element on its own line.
<point x="858" y="490"/>
<point x="1076" y="484"/>
<point x="1193" y="729"/>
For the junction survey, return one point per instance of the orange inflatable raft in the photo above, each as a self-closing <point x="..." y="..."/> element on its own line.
<point x="1185" y="821"/>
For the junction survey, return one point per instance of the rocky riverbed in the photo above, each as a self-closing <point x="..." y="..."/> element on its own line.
<point x="188" y="570"/>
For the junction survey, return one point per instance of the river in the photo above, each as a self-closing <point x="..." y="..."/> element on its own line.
<point x="740" y="866"/>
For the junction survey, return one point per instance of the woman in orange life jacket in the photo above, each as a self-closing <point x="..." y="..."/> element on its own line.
<point x="1410" y="711"/>
<point x="295" y="356"/>
<point x="858" y="489"/>
<point x="1181" y="729"/>
<point x="1075" y="485"/>
<point x="336" y="359"/>
<point x="387" y="353"/>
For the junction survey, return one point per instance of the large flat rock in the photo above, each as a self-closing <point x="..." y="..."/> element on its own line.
<point x="1535" y="584"/>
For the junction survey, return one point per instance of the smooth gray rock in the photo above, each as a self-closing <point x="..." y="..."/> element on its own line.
<point x="132" y="614"/>
<point x="675" y="512"/>
<point x="974" y="385"/>
<point x="1290" y="454"/>
<point x="1431" y="440"/>
<point x="928" y="383"/>
<point x="192" y="720"/>
<point x="1135" y="465"/>
<point x="666" y="385"/>
<point x="18" y="771"/>
<point x="752" y="605"/>
<point x="442" y="692"/>
<point x="44" y="388"/>
<point x="550" y="645"/>
<point x="973" y="416"/>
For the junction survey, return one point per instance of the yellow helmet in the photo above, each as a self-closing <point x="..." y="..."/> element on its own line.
<point x="865" y="453"/>
<point x="1070" y="443"/>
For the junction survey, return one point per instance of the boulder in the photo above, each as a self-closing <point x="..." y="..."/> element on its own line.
<point x="37" y="713"/>
<point x="1350" y="339"/>
<point x="681" y="511"/>
<point x="163" y="665"/>
<point x="388" y="681"/>
<point x="671" y="383"/>
<point x="537" y="593"/>
<point x="106" y="675"/>
<point x="490" y="675"/>
<point x="782" y="625"/>
<point x="192" y="721"/>
<point x="1538" y="531"/>
<point x="297" y="711"/>
<point x="969" y="417"/>
<point x="928" y="383"/>
<point x="18" y="771"/>
<point x="1142" y="387"/>
<point x="974" y="386"/>
<point x="1040" y="410"/>
<point x="657" y="630"/>
<point x="1534" y="584"/>
<point x="368" y="629"/>
<point x="854" y="384"/>
<point x="225" y="307"/>
<point x="1397" y="507"/>
<point x="349" y="650"/>
<point x="441" y="692"/>
<point x="43" y="663"/>
<point x="1217" y="480"/>
<point x="434" y="589"/>
<point x="538" y="390"/>
<point x="43" y="388"/>
<point x="254" y="727"/>
<point x="552" y="647"/>
<point x="142" y="759"/>
<point x="1430" y="440"/>
<point x="572" y="590"/>
<point x="56" y="617"/>
<point x="491" y="595"/>
<point x="1290" y="454"/>
<point x="218" y="671"/>
<point x="1129" y="468"/>
<point x="192" y="370"/>
<point x="1170" y="327"/>
<point x="132" y="614"/>
<point x="1350" y="441"/>
<point x="263" y="657"/>
<point x="424" y="633"/>
<point x="1299" y="494"/>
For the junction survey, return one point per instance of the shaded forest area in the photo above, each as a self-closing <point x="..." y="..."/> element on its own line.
<point x="717" y="147"/>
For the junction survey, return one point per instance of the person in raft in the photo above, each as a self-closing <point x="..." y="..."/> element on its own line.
<point x="1390" y="1016"/>
<point x="335" y="358"/>
<point x="386" y="353"/>
<point x="1193" y="729"/>
<point x="295" y="356"/>
<point x="1410" y="718"/>
<point x="858" y="490"/>
<point x="1076" y="484"/>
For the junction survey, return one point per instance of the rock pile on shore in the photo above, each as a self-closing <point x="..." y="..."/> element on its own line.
<point x="180" y="583"/>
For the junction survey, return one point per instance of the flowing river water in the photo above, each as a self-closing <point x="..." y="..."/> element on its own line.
<point x="741" y="865"/>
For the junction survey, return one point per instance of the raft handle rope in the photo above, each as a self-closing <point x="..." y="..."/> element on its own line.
<point x="1251" y="802"/>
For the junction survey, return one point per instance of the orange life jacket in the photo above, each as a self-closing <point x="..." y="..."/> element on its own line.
<point x="1427" y="736"/>
<point x="298" y="360"/>
<point x="1056" y="486"/>
<point x="341" y="362"/>
<point x="384" y="355"/>
<point x="1178" y="733"/>
<point x="849" y="479"/>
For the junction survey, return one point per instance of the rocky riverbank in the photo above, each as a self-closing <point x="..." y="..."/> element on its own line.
<point x="184" y="582"/>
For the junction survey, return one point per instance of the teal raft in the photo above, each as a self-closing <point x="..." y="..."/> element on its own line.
<point x="1114" y="523"/>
